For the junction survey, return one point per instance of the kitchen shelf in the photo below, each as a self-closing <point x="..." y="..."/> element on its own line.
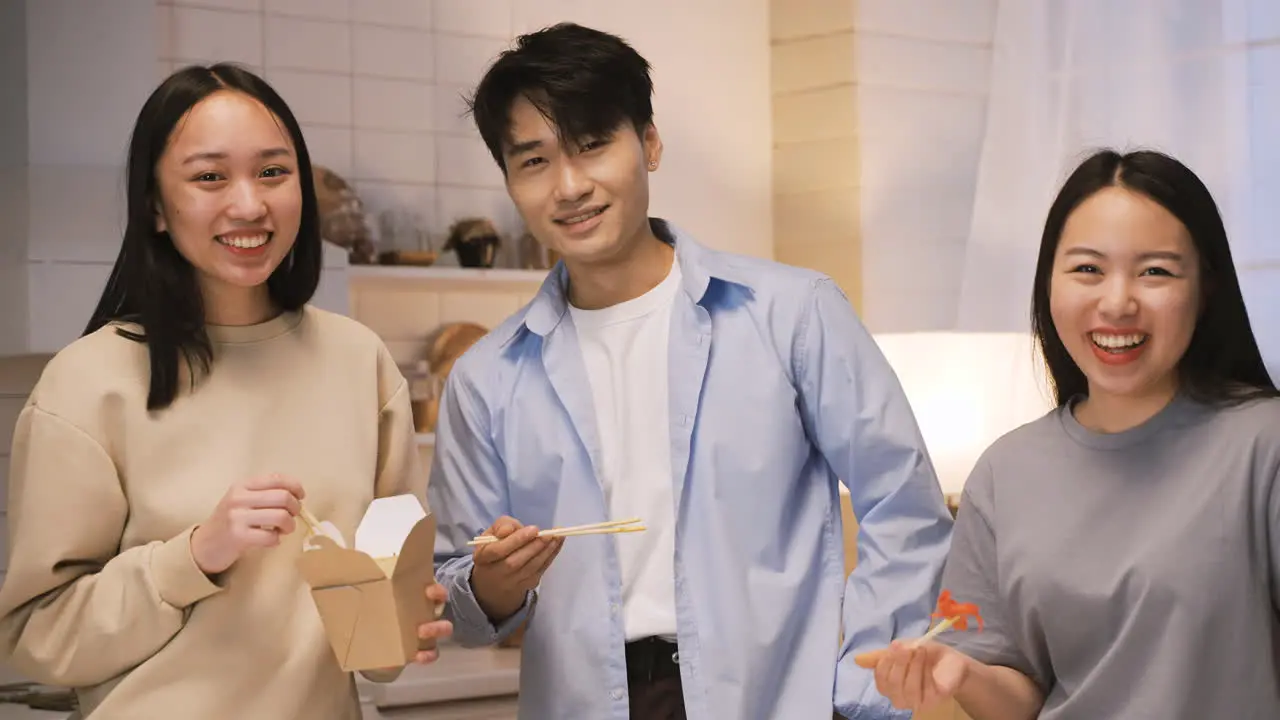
<point x="496" y="278"/>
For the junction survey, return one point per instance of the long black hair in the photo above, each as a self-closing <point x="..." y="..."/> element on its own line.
<point x="1222" y="364"/>
<point x="152" y="285"/>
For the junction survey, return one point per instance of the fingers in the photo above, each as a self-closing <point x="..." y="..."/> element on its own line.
<point x="437" y="593"/>
<point x="914" y="678"/>
<point x="426" y="657"/>
<point x="512" y="542"/>
<point x="540" y="562"/>
<point x="272" y="498"/>
<point x="519" y="564"/>
<point x="257" y="537"/>
<point x="435" y="630"/>
<point x="270" y="519"/>
<point x="870" y="660"/>
<point x="950" y="671"/>
<point x="277" y="481"/>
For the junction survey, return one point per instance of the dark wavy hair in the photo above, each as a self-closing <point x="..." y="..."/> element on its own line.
<point x="584" y="81"/>
<point x="1222" y="364"/>
<point x="152" y="285"/>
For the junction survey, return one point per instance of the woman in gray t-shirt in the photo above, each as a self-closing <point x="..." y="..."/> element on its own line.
<point x="1124" y="550"/>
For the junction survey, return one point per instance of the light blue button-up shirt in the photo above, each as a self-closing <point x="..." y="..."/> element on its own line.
<point x="776" y="392"/>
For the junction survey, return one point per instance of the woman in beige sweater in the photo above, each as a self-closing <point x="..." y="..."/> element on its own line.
<point x="161" y="460"/>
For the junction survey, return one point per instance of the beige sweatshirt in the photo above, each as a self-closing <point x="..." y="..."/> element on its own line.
<point x="102" y="593"/>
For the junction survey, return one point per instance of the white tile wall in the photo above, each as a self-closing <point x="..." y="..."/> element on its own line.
<point x="392" y="52"/>
<point x="462" y="60"/>
<point x="490" y="18"/>
<point x="315" y="98"/>
<point x="201" y="35"/>
<point x="393" y="13"/>
<point x="248" y="5"/>
<point x="393" y="105"/>
<point x="315" y="9"/>
<point x="314" y="45"/>
<point x="377" y="86"/>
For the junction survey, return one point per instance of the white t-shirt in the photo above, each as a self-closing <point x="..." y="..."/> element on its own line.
<point x="624" y="348"/>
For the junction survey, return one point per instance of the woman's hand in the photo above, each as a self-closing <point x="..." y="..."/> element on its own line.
<point x="921" y="678"/>
<point x="253" y="514"/>
<point x="437" y="629"/>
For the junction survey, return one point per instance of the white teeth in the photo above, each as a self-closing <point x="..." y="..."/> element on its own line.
<point x="244" y="242"/>
<point x="1114" y="342"/>
<point x="582" y="218"/>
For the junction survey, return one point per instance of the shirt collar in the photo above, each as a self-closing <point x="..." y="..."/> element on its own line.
<point x="698" y="266"/>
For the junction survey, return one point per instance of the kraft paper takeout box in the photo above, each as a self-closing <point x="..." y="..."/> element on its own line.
<point x="372" y="598"/>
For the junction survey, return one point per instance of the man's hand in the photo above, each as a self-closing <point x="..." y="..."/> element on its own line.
<point x="506" y="570"/>
<point x="436" y="629"/>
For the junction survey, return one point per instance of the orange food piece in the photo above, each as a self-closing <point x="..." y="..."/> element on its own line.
<point x="949" y="608"/>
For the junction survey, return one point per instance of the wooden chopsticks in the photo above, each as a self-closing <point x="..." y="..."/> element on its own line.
<point x="612" y="527"/>
<point x="311" y="520"/>
<point x="872" y="658"/>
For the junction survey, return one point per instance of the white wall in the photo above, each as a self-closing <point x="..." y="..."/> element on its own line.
<point x="923" y="68"/>
<point x="377" y="87"/>
<point x="880" y="108"/>
<point x="711" y="71"/>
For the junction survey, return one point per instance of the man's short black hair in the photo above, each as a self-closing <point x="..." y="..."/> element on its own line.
<point x="584" y="81"/>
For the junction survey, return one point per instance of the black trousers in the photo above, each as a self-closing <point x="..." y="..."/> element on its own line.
<point x="653" y="680"/>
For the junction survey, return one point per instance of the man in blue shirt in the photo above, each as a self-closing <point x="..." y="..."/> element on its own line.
<point x="719" y="398"/>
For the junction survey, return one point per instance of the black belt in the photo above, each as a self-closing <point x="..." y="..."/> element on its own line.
<point x="652" y="658"/>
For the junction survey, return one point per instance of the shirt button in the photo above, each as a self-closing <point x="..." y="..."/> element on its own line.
<point x="613" y="609"/>
<point x="617" y="694"/>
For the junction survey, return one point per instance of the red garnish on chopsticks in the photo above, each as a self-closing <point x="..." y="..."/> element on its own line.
<point x="958" y="612"/>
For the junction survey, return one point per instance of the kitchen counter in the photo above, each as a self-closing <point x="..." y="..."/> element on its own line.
<point x="460" y="674"/>
<point x="476" y="683"/>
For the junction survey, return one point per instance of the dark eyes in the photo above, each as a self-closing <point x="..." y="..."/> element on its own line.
<point x="1151" y="271"/>
<point x="275" y="171"/>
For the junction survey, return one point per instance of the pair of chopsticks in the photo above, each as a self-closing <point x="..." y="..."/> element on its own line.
<point x="311" y="520"/>
<point x="872" y="658"/>
<point x="612" y="527"/>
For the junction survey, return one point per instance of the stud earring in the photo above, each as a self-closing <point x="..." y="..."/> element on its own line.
<point x="653" y="166"/>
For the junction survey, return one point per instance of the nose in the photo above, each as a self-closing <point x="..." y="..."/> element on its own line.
<point x="572" y="184"/>
<point x="1118" y="299"/>
<point x="246" y="201"/>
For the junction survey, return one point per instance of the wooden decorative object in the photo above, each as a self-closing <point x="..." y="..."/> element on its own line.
<point x="444" y="347"/>
<point x="342" y="216"/>
<point x="476" y="242"/>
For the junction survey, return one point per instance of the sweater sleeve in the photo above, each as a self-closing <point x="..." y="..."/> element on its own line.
<point x="400" y="469"/>
<point x="76" y="609"/>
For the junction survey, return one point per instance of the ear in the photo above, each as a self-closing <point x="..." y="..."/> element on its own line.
<point x="161" y="225"/>
<point x="652" y="143"/>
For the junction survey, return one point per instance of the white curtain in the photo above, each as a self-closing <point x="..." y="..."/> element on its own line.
<point x="1195" y="78"/>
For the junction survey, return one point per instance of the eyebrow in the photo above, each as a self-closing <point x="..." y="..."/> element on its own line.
<point x="1154" y="255"/>
<point x="523" y="147"/>
<point x="265" y="154"/>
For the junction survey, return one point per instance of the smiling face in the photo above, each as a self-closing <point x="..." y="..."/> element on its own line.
<point x="229" y="194"/>
<point x="1125" y="293"/>
<point x="588" y="201"/>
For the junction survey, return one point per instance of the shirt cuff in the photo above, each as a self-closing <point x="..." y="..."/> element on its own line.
<point x="177" y="578"/>
<point x="473" y="624"/>
<point x="872" y="706"/>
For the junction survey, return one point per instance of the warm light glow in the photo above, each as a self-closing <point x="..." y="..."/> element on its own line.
<point x="966" y="390"/>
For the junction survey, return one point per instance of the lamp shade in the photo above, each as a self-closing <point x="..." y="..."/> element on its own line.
<point x="966" y="390"/>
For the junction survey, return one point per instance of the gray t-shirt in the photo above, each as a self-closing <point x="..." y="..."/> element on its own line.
<point x="1131" y="575"/>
